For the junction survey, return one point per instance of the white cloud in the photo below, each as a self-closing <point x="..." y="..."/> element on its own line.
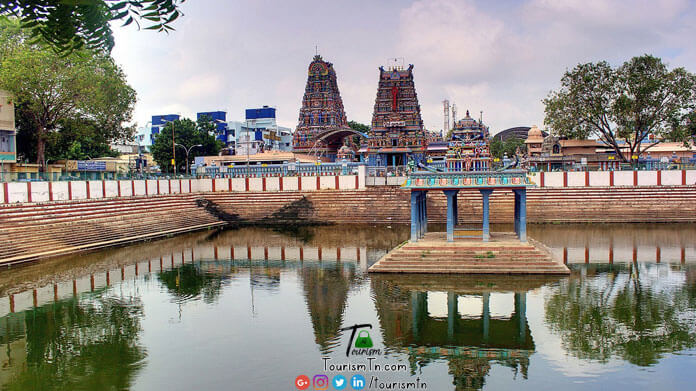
<point x="498" y="57"/>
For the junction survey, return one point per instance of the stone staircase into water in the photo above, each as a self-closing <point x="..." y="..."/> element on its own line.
<point x="31" y="231"/>
<point x="504" y="254"/>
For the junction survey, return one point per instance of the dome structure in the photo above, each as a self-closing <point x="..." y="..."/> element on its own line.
<point x="535" y="132"/>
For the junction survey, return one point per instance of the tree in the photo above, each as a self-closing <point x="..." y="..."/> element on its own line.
<point x="77" y="140"/>
<point x="186" y="133"/>
<point x="75" y="25"/>
<point x="51" y="90"/>
<point x="500" y="148"/>
<point x="357" y="126"/>
<point x="622" y="107"/>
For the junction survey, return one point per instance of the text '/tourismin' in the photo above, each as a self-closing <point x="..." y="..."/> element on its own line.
<point x="370" y="366"/>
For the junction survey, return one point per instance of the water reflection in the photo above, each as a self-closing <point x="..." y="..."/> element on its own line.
<point x="189" y="282"/>
<point x="88" y="343"/>
<point x="465" y="334"/>
<point x="637" y="312"/>
<point x="326" y="290"/>
<point x="67" y="323"/>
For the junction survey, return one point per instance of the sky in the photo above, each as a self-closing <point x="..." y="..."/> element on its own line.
<point x="499" y="57"/>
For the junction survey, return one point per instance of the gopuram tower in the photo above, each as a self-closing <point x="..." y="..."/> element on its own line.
<point x="397" y="131"/>
<point x="322" y="124"/>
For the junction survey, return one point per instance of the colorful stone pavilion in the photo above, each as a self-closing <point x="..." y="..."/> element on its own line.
<point x="322" y="123"/>
<point x="396" y="133"/>
<point x="450" y="183"/>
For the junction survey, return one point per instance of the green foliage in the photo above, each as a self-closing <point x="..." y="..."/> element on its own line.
<point x="54" y="92"/>
<point x="359" y="127"/>
<point x="628" y="103"/>
<point x="683" y="129"/>
<point x="77" y="139"/>
<point x="622" y="314"/>
<point x="186" y="133"/>
<point x="91" y="343"/>
<point x="500" y="148"/>
<point x="76" y="25"/>
<point x="187" y="282"/>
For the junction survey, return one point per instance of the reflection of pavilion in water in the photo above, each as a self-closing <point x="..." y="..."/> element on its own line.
<point x="468" y="338"/>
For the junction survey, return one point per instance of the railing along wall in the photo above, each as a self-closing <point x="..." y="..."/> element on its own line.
<point x="30" y="192"/>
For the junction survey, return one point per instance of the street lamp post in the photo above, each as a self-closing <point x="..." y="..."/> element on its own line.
<point x="188" y="166"/>
<point x="173" y="151"/>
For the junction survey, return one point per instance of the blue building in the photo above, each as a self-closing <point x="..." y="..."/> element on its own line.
<point x="158" y="122"/>
<point x="263" y="112"/>
<point x="259" y="131"/>
<point x="222" y="131"/>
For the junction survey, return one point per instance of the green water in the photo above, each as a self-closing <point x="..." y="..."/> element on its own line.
<point x="252" y="309"/>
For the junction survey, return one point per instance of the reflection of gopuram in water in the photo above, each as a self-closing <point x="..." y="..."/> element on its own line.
<point x="470" y="342"/>
<point x="326" y="291"/>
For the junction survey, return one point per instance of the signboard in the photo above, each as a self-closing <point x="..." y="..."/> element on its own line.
<point x="393" y="124"/>
<point x="272" y="136"/>
<point x="89" y="165"/>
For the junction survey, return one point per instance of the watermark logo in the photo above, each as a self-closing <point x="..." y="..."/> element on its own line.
<point x="357" y="382"/>
<point x="302" y="382"/>
<point x="363" y="341"/>
<point x="320" y="382"/>
<point x="362" y="345"/>
<point x="339" y="382"/>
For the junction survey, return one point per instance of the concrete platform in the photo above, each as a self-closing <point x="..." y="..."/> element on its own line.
<point x="503" y="254"/>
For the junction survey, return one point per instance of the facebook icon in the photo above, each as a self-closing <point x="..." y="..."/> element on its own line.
<point x="357" y="382"/>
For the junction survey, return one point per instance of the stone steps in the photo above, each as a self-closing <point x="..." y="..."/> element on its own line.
<point x="65" y="227"/>
<point x="90" y="232"/>
<point x="503" y="255"/>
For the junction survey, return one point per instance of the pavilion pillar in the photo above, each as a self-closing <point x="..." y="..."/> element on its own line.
<point x="419" y="309"/>
<point x="521" y="213"/>
<point x="521" y="313"/>
<point x="425" y="212"/>
<point x="414" y="215"/>
<point x="420" y="216"/>
<point x="451" y="195"/>
<point x="485" y="193"/>
<point x="456" y="210"/>
<point x="486" y="314"/>
<point x="451" y="314"/>
<point x="516" y="207"/>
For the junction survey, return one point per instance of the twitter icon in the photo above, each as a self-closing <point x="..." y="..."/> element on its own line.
<point x="339" y="382"/>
